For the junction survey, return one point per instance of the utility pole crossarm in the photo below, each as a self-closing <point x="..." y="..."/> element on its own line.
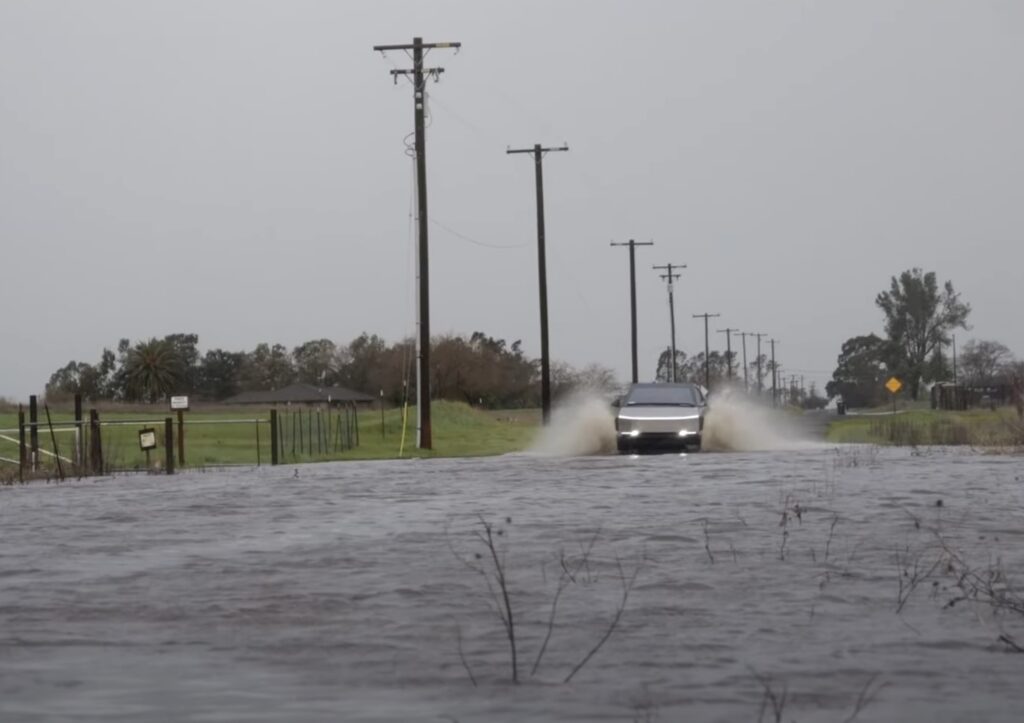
<point x="426" y="71"/>
<point x="668" y="270"/>
<point x="537" y="149"/>
<point x="410" y="46"/>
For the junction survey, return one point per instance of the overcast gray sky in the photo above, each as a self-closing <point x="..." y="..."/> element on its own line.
<point x="237" y="169"/>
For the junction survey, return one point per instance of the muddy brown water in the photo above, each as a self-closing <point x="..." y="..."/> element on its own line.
<point x="340" y="591"/>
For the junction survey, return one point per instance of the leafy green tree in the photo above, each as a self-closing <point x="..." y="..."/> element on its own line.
<point x="359" y="362"/>
<point x="186" y="348"/>
<point x="220" y="373"/>
<point x="315" y="362"/>
<point x="861" y="372"/>
<point x="663" y="372"/>
<point x="918" y="319"/>
<point x="153" y="370"/>
<point x="267" y="367"/>
<point x="484" y="370"/>
<point x="74" y="378"/>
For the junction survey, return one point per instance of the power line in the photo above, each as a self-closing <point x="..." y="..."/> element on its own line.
<point x="472" y="240"/>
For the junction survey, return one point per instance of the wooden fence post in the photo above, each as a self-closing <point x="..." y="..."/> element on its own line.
<point x="95" y="443"/>
<point x="79" y="455"/>
<point x="273" y="436"/>
<point x="22" y="446"/>
<point x="33" y="431"/>
<point x="169" y="444"/>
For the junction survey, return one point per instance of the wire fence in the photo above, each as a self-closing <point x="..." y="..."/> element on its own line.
<point x="95" y="445"/>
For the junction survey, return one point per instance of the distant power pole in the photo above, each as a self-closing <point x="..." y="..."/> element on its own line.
<point x="760" y="375"/>
<point x="728" y="331"/>
<point x="746" y="381"/>
<point x="632" y="294"/>
<point x="545" y="360"/>
<point x="775" y="375"/>
<point x="707" y="352"/>
<point x="669" y="277"/>
<point x="419" y="75"/>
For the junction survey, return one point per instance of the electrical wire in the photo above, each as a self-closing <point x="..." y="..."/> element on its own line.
<point x="472" y="240"/>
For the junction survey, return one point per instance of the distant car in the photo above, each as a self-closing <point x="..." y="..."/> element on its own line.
<point x="665" y="417"/>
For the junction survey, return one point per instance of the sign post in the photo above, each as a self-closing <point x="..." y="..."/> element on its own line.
<point x="180" y="405"/>
<point x="894" y="385"/>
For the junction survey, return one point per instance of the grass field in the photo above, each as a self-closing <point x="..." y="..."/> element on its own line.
<point x="976" y="427"/>
<point x="219" y="436"/>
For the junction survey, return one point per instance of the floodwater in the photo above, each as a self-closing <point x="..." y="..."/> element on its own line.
<point x="346" y="591"/>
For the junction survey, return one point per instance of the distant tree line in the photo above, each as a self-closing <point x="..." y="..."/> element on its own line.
<point x="920" y="318"/>
<point x="478" y="369"/>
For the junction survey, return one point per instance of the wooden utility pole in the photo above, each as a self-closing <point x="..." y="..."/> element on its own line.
<point x="728" y="331"/>
<point x="707" y="349"/>
<point x="669" y="278"/>
<point x="545" y="360"/>
<point x="760" y="374"/>
<point x="746" y="376"/>
<point x="775" y="375"/>
<point x="632" y="295"/>
<point x="419" y="75"/>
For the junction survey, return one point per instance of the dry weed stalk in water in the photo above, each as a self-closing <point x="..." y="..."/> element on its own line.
<point x="776" y="700"/>
<point x="489" y="562"/>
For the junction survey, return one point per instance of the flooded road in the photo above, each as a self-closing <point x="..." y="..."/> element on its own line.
<point x="348" y="591"/>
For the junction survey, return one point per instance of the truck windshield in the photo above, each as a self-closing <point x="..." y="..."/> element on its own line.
<point x="667" y="395"/>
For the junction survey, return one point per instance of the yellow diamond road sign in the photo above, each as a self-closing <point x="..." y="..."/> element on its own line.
<point x="894" y="385"/>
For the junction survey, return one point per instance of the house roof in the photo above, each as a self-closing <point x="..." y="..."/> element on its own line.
<point x="301" y="394"/>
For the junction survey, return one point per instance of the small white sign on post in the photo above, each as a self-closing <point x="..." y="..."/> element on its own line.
<point x="179" y="403"/>
<point x="147" y="439"/>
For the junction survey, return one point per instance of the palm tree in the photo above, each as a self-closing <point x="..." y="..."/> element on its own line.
<point x="152" y="370"/>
